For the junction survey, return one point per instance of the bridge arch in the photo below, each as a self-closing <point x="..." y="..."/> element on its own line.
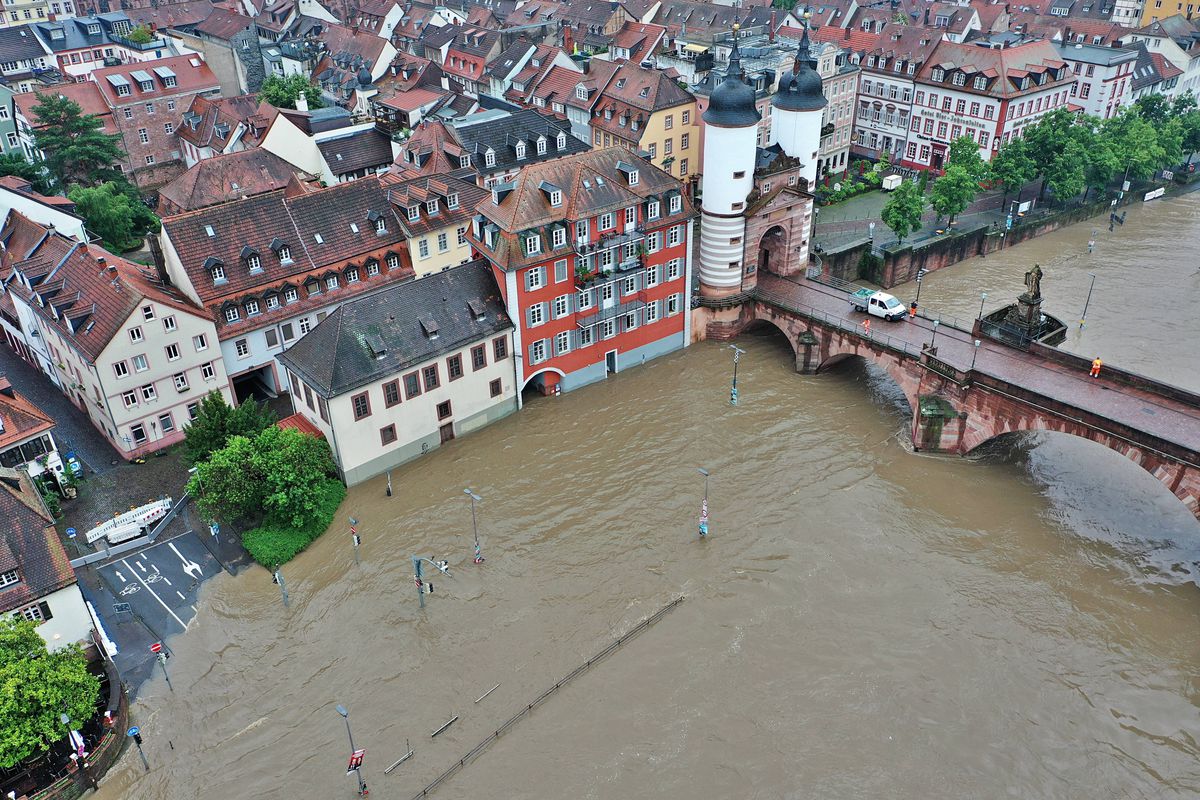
<point x="1180" y="478"/>
<point x="773" y="250"/>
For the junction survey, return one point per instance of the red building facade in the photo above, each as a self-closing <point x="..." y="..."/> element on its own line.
<point x="591" y="253"/>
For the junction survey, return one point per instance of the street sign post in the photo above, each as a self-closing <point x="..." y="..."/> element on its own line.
<point x="156" y="647"/>
<point x="71" y="533"/>
<point x="135" y="733"/>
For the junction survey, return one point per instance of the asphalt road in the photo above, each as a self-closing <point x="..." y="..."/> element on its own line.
<point x="160" y="584"/>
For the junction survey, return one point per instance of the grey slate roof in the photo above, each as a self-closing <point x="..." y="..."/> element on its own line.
<point x="75" y="31"/>
<point x="363" y="150"/>
<point x="19" y="44"/>
<point x="1095" y="54"/>
<point x="337" y="356"/>
<point x="501" y="133"/>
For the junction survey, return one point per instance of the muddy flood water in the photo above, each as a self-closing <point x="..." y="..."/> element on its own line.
<point x="862" y="621"/>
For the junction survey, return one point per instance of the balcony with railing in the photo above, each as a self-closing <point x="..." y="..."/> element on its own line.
<point x="629" y="236"/>
<point x="626" y="268"/>
<point x="597" y="315"/>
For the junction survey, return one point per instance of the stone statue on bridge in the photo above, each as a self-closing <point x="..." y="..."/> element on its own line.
<point x="1033" y="282"/>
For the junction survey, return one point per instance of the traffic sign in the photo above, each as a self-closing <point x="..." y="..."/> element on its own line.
<point x="156" y="647"/>
<point x="71" y="533"/>
<point x="133" y="731"/>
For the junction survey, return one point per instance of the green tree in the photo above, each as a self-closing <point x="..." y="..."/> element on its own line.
<point x="903" y="209"/>
<point x="15" y="164"/>
<point x="953" y="192"/>
<point x="1183" y="104"/>
<point x="282" y="92"/>
<point x="76" y="148"/>
<point x="36" y="687"/>
<point x="1134" y="141"/>
<point x="1045" y="140"/>
<point x="1013" y="167"/>
<point x="140" y="35"/>
<point x="1154" y="108"/>
<point x="1065" y="176"/>
<point x="216" y="421"/>
<point x="112" y="215"/>
<point x="1190" y="128"/>
<point x="273" y="476"/>
<point x="964" y="151"/>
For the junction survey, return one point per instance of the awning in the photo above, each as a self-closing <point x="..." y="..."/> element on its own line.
<point x="695" y="48"/>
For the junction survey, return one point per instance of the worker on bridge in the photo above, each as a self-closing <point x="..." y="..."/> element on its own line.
<point x="1096" y="364"/>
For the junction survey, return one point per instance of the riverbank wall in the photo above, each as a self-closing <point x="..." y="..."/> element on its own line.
<point x="896" y="264"/>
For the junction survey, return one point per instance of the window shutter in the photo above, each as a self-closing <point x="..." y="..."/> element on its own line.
<point x="44" y="607"/>
<point x="528" y="278"/>
<point x="529" y="317"/>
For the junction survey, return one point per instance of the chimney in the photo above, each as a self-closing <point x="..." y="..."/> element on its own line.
<point x="302" y="101"/>
<point x="771" y="30"/>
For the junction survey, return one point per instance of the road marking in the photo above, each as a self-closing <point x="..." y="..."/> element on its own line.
<point x="156" y="597"/>
<point x="188" y="566"/>
<point x="166" y="580"/>
<point x="181" y="597"/>
<point x="194" y="611"/>
<point x="141" y="566"/>
<point x="119" y="575"/>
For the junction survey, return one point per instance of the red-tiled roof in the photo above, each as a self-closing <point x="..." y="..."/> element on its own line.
<point x="299" y="422"/>
<point x="227" y="177"/>
<point x="21" y="418"/>
<point x="28" y="544"/>
<point x="1165" y="68"/>
<point x="86" y="94"/>
<point x="191" y="75"/>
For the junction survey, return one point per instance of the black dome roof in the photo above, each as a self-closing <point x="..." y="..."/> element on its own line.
<point x="364" y="76"/>
<point x="732" y="103"/>
<point x="800" y="89"/>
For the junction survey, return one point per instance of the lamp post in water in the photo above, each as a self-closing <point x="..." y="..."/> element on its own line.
<point x="982" y="300"/>
<point x="355" y="759"/>
<point x="733" y="392"/>
<point x="474" y="524"/>
<point x="704" y="505"/>
<point x="1086" y="303"/>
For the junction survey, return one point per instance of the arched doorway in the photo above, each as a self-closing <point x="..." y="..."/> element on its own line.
<point x="772" y="251"/>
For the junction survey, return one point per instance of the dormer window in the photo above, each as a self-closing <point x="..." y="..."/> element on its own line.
<point x="489" y="158"/>
<point x="541" y="145"/>
<point x="676" y="203"/>
<point x="452" y="201"/>
<point x="218" y="274"/>
<point x="633" y="177"/>
<point x="960" y="79"/>
<point x="653" y="209"/>
<point x="464" y="161"/>
<point x="561" y="141"/>
<point x="232" y="314"/>
<point x="520" y="150"/>
<point x="414" y="213"/>
<point x="285" y="254"/>
<point x="980" y="82"/>
<point x="938" y="74"/>
<point x="533" y="245"/>
<point x="93" y="30"/>
<point x="431" y="206"/>
<point x="556" y="198"/>
<point x="254" y="263"/>
<point x="251" y="307"/>
<point x="381" y="225"/>
<point x="581" y="92"/>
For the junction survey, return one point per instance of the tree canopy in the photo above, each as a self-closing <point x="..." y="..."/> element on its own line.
<point x="118" y="218"/>
<point x="76" y="148"/>
<point x="216" y="422"/>
<point x="281" y="92"/>
<point x="953" y="192"/>
<point x="1013" y="167"/>
<point x="903" y="209"/>
<point x="16" y="165"/>
<point x="964" y="152"/>
<point x="36" y="687"/>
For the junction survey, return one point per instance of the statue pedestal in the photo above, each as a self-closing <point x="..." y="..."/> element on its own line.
<point x="1026" y="314"/>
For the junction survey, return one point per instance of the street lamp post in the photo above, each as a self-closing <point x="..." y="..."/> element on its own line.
<point x="475" y="524"/>
<point x="278" y="578"/>
<point x="933" y="338"/>
<point x="982" y="300"/>
<point x="704" y="505"/>
<point x="1086" y="303"/>
<point x="79" y="752"/>
<point x="975" y="354"/>
<point x="733" y="392"/>
<point x="389" y="483"/>
<point x="362" y="785"/>
<point x="354" y="538"/>
<point x="917" y="302"/>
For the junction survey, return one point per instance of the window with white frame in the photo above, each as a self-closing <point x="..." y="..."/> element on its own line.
<point x="581" y="230"/>
<point x="520" y="151"/>
<point x="169" y="323"/>
<point x="560" y="270"/>
<point x="147" y="313"/>
<point x="208" y="371"/>
<point x="331" y="282"/>
<point x="535" y="278"/>
<point x="537" y="351"/>
<point x="431" y="206"/>
<point x="533" y="244"/>
<point x="149" y="392"/>
<point x="653" y="208"/>
<point x="121" y="369"/>
<point x="654" y="242"/>
<point x="630" y="217"/>
<point x="651" y="312"/>
<point x="129" y="399"/>
<point x="414" y="213"/>
<point x="462" y="235"/>
<point x="242" y="348"/>
<point x="562" y="343"/>
<point x="172" y="352"/>
<point x="9" y="578"/>
<point x="584" y="299"/>
<point x="452" y="201"/>
<point x="140" y="364"/>
<point x="541" y="145"/>
<point x="489" y="158"/>
<point x="562" y="306"/>
<point x="136" y="335"/>
<point x="218" y="274"/>
<point x="232" y="314"/>
<point x="537" y="314"/>
<point x="676" y="203"/>
<point x="556" y="198"/>
<point x="630" y="286"/>
<point x="606" y="222"/>
<point x="423" y="248"/>
<point x="285" y="254"/>
<point x="291" y="295"/>
<point x="608" y="329"/>
<point x="252" y="307"/>
<point x="674" y="235"/>
<point x="392" y="261"/>
<point x="586" y="336"/>
<point x="443" y="241"/>
<point x="181" y="382"/>
<point x="559" y="237"/>
<point x="673" y="304"/>
<point x="652" y="276"/>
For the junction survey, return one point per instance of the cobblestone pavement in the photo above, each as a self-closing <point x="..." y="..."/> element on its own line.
<point x="119" y="489"/>
<point x="73" y="430"/>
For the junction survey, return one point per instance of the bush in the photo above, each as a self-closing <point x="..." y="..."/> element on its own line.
<point x="275" y="543"/>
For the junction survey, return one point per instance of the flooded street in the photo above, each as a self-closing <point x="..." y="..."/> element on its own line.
<point x="862" y="621"/>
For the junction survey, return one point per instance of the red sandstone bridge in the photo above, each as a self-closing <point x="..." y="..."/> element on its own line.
<point x="963" y="396"/>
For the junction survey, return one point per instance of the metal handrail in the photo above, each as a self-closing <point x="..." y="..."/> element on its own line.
<point x="838" y="322"/>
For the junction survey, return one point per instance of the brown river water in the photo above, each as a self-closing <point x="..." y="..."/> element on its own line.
<point x="861" y="622"/>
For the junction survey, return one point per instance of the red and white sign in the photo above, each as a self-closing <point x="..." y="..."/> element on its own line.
<point x="156" y="647"/>
<point x="356" y="759"/>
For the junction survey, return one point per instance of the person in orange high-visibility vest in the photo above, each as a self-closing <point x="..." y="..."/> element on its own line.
<point x="1096" y="364"/>
<point x="867" y="327"/>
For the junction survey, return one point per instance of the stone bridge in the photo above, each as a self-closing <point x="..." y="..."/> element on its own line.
<point x="964" y="395"/>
